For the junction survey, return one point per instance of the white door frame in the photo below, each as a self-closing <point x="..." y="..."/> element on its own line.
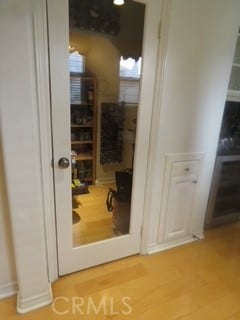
<point x="155" y="122"/>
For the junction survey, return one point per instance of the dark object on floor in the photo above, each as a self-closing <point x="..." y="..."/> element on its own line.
<point x="120" y="211"/>
<point x="80" y="190"/>
<point x="75" y="217"/>
<point x="76" y="203"/>
<point x="124" y="184"/>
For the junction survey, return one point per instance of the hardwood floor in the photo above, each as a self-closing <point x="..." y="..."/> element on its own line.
<point x="96" y="221"/>
<point x="196" y="281"/>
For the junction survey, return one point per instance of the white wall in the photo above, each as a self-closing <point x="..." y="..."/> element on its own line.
<point x="199" y="53"/>
<point x="7" y="263"/>
<point x="25" y="143"/>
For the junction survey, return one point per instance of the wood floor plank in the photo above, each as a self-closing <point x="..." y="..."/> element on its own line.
<point x="196" y="281"/>
<point x="96" y="222"/>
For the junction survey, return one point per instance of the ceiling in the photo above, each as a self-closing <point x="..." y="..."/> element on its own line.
<point x="122" y="24"/>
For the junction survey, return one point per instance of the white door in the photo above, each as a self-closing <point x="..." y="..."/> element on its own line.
<point x="76" y="258"/>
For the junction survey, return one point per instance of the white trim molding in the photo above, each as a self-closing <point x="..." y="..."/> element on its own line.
<point x="25" y="305"/>
<point x="171" y="244"/>
<point x="163" y="28"/>
<point x="26" y="144"/>
<point x="45" y="137"/>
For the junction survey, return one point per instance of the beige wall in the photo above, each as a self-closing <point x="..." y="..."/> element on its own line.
<point x="102" y="60"/>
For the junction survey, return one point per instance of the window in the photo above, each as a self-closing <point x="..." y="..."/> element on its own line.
<point x="76" y="67"/>
<point x="130" y="73"/>
<point x="76" y="62"/>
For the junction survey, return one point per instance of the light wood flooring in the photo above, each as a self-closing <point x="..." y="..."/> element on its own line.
<point x="197" y="281"/>
<point x="96" y="221"/>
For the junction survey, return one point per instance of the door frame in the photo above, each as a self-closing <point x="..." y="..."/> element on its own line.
<point x="163" y="29"/>
<point x="152" y="34"/>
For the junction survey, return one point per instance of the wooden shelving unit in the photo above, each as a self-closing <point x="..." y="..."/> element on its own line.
<point x="83" y="127"/>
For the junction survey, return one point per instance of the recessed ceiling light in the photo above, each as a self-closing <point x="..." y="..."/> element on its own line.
<point x="118" y="2"/>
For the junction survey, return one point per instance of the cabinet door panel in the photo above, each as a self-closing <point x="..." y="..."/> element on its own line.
<point x="179" y="208"/>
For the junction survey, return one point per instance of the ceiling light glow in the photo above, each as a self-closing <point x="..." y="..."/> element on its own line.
<point x="118" y="2"/>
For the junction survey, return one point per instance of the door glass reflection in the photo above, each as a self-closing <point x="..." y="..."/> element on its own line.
<point x="105" y="52"/>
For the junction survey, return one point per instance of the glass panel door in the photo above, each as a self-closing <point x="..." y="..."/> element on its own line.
<point x="100" y="136"/>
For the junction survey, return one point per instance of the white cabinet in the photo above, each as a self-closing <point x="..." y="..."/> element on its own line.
<point x="179" y="208"/>
<point x="179" y="194"/>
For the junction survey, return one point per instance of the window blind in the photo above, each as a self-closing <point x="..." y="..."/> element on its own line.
<point x="76" y="66"/>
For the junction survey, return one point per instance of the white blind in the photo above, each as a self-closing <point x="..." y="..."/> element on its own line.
<point x="129" y="68"/>
<point x="76" y="62"/>
<point x="129" y="72"/>
<point x="129" y="91"/>
<point x="76" y="66"/>
<point x="75" y="90"/>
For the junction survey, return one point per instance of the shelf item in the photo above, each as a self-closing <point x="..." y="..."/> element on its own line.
<point x="83" y="128"/>
<point x="84" y="157"/>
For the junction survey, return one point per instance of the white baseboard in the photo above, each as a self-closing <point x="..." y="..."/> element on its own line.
<point x="171" y="244"/>
<point x="35" y="302"/>
<point x="8" y="290"/>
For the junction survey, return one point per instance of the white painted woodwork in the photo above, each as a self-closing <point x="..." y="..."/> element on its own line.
<point x="24" y="102"/>
<point x="190" y="93"/>
<point x="8" y="285"/>
<point x="178" y="205"/>
<point x="72" y="259"/>
<point x="179" y="208"/>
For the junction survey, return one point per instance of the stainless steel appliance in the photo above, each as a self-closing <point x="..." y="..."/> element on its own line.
<point x="224" y="197"/>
